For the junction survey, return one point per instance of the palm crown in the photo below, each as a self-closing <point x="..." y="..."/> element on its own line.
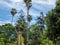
<point x="28" y="3"/>
<point x="13" y="11"/>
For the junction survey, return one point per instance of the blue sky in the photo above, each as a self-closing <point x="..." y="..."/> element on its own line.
<point x="37" y="7"/>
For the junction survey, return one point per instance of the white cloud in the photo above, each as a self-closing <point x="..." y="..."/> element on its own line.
<point x="19" y="4"/>
<point x="5" y="22"/>
<point x="48" y="2"/>
<point x="4" y="3"/>
<point x="16" y="1"/>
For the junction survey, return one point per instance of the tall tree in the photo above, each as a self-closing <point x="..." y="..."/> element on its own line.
<point x="53" y="23"/>
<point x="34" y="34"/>
<point x="28" y="5"/>
<point x="21" y="26"/>
<point x="13" y="12"/>
<point x="40" y="22"/>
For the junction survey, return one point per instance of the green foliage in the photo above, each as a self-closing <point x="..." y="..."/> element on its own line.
<point x="29" y="18"/>
<point x="8" y="35"/>
<point x="44" y="40"/>
<point x="40" y="22"/>
<point x="21" y="24"/>
<point x="53" y="23"/>
<point x="37" y="36"/>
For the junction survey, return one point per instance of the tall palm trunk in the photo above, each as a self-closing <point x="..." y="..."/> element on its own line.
<point x="18" y="39"/>
<point x="12" y="20"/>
<point x="27" y="39"/>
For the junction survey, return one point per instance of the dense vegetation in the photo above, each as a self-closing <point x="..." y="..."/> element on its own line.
<point x="34" y="34"/>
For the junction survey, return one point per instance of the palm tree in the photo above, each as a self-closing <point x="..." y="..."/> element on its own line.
<point x="29" y="18"/>
<point x="13" y="12"/>
<point x="28" y="5"/>
<point x="20" y="26"/>
<point x="40" y="22"/>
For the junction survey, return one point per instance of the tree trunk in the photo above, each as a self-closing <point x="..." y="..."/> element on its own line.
<point x="18" y="39"/>
<point x="12" y="20"/>
<point x="27" y="28"/>
<point x="4" y="43"/>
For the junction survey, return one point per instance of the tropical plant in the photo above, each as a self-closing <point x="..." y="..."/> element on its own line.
<point x="40" y="22"/>
<point x="53" y="23"/>
<point x="28" y="5"/>
<point x="13" y="12"/>
<point x="8" y="34"/>
<point x="21" y="26"/>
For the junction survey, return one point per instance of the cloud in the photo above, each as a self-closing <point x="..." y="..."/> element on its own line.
<point x="14" y="1"/>
<point x="19" y="4"/>
<point x="4" y="3"/>
<point x="6" y="22"/>
<point x="37" y="7"/>
<point x="2" y="23"/>
<point x="12" y="4"/>
<point x="47" y="2"/>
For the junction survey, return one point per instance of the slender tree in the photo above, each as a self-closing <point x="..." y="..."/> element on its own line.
<point x="20" y="26"/>
<point x="40" y="22"/>
<point x="13" y="12"/>
<point x="28" y="5"/>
